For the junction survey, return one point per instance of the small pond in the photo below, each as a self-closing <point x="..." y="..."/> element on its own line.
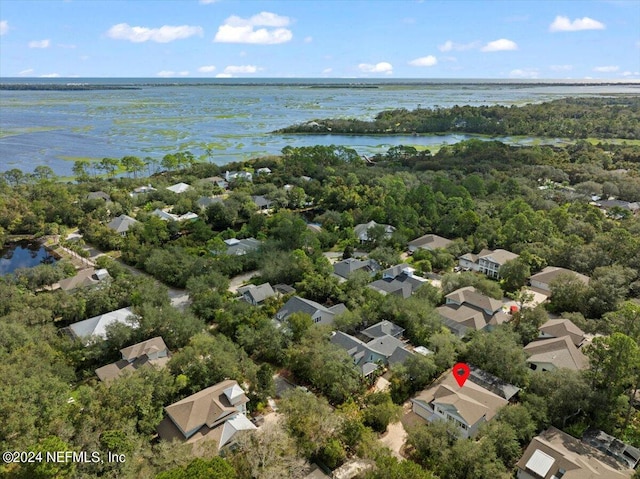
<point x="23" y="254"/>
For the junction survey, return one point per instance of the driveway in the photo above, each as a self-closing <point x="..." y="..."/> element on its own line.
<point x="241" y="279"/>
<point x="394" y="438"/>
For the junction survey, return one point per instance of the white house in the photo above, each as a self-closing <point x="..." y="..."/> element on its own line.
<point x="487" y="261"/>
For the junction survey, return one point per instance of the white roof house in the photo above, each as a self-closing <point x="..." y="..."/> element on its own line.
<point x="96" y="327"/>
<point x="179" y="188"/>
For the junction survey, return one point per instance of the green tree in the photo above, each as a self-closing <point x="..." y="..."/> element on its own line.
<point x="514" y="275"/>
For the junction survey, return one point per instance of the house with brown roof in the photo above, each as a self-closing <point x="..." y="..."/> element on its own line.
<point x="152" y="352"/>
<point x="84" y="278"/>
<point x="554" y="454"/>
<point x="555" y="353"/>
<point x="468" y="407"/>
<point x="468" y="309"/>
<point x="544" y="278"/>
<point x="217" y="413"/>
<point x="487" y="261"/>
<point x="429" y="242"/>
<point x="557" y="328"/>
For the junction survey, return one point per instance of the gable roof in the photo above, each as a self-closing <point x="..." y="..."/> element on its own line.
<point x="149" y="346"/>
<point x="499" y="256"/>
<point x="563" y="327"/>
<point x="471" y="402"/>
<point x="388" y="347"/>
<point x="430" y="242"/>
<point x="462" y="318"/>
<point x="471" y="296"/>
<point x="179" y="187"/>
<point x="205" y="407"/>
<point x="383" y="328"/>
<point x="97" y="325"/>
<point x="98" y="195"/>
<point x="296" y="304"/>
<point x="553" y="450"/>
<point x="550" y="273"/>
<point x="83" y="278"/>
<point x="236" y="247"/>
<point x="122" y="223"/>
<point x="257" y="293"/>
<point x="347" y="266"/>
<point x="261" y="201"/>
<point x="560" y="352"/>
<point x="362" y="229"/>
<point x="385" y="286"/>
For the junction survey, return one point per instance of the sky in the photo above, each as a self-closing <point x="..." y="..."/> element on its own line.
<point x="543" y="39"/>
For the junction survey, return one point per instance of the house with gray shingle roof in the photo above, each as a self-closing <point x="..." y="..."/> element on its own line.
<point x="256" y="295"/>
<point x="121" y="224"/>
<point x="544" y="278"/>
<point x="239" y="247"/>
<point x="362" y="230"/>
<point x="383" y="328"/>
<point x="343" y="269"/>
<point x="429" y="242"/>
<point x="320" y="314"/>
<point x="386" y="350"/>
<point x="400" y="280"/>
<point x="557" y="328"/>
<point x="98" y="195"/>
<point x="555" y="353"/>
<point x="262" y="202"/>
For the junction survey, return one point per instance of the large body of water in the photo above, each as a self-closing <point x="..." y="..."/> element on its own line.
<point x="231" y="118"/>
<point x="23" y="254"/>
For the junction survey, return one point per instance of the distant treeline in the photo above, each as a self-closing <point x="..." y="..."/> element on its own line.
<point x="610" y="117"/>
<point x="63" y="87"/>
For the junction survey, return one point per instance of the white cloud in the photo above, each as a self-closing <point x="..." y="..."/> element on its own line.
<point x="241" y="69"/>
<point x="427" y="61"/>
<point x="629" y="74"/>
<point x="243" y="30"/>
<point x="308" y="39"/>
<point x="449" y="46"/>
<point x="561" y="68"/>
<point x="164" y="34"/>
<point x="381" y="67"/>
<point x="524" y="73"/>
<point x="224" y="75"/>
<point x="207" y="2"/>
<point x="28" y="71"/>
<point x="4" y="27"/>
<point x="40" y="44"/>
<point x="326" y="71"/>
<point x="50" y="75"/>
<point x="170" y="73"/>
<point x="206" y="68"/>
<point x="563" y="24"/>
<point x="500" y="45"/>
<point x="607" y="69"/>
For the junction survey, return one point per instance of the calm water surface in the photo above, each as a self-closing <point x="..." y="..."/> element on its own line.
<point x="232" y="121"/>
<point x="23" y="254"/>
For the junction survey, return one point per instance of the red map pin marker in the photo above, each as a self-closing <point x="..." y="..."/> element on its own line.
<point x="461" y="372"/>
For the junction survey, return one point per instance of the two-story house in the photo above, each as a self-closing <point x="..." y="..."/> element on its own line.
<point x="321" y="315"/>
<point x="152" y="352"/>
<point x="468" y="309"/>
<point x="487" y="261"/>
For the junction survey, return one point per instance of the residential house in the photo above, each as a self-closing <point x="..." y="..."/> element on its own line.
<point x="555" y="353"/>
<point x="319" y="314"/>
<point x="216" y="180"/>
<point x="467" y="309"/>
<point x="262" y="202"/>
<point x="239" y="247"/>
<point x="98" y="195"/>
<point x="624" y="453"/>
<point x="263" y="171"/>
<point x="608" y="205"/>
<point x="216" y="413"/>
<point x="84" y="278"/>
<point x="399" y="279"/>
<point x="544" y="278"/>
<point x="166" y="216"/>
<point x="256" y="295"/>
<point x="121" y="224"/>
<point x="492" y="383"/>
<point x="429" y="242"/>
<point x="142" y="190"/>
<point x="96" y="327"/>
<point x="238" y="175"/>
<point x="487" y="261"/>
<point x="384" y="349"/>
<point x="554" y="454"/>
<point x="467" y="407"/>
<point x="343" y="269"/>
<point x="557" y="328"/>
<point x="205" y="201"/>
<point x="283" y="289"/>
<point x="362" y="231"/>
<point x="382" y="328"/>
<point x="179" y="188"/>
<point x="152" y="352"/>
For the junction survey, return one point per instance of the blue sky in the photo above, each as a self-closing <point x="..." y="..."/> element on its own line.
<point x="307" y="38"/>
